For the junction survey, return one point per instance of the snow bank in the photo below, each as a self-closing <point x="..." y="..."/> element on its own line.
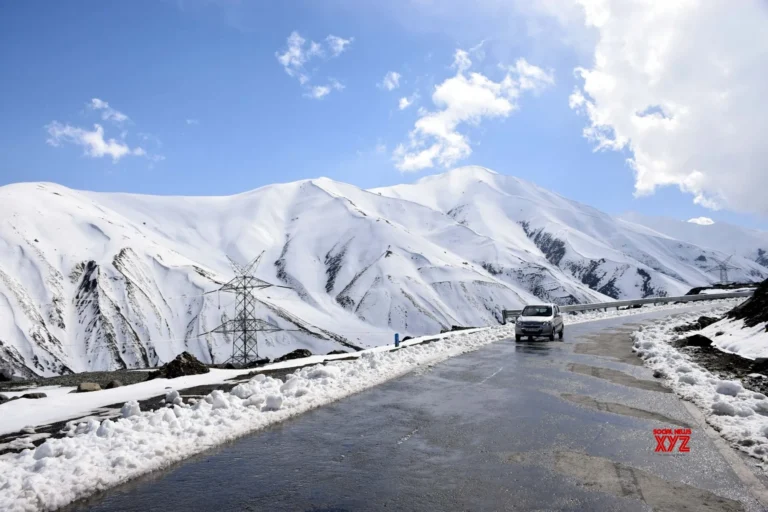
<point x="749" y="342"/>
<point x="96" y="456"/>
<point x="587" y="316"/>
<point x="740" y="415"/>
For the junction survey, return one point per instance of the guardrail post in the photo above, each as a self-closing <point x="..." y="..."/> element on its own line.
<point x="397" y="340"/>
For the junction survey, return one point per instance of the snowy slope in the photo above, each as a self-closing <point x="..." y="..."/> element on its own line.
<point x="92" y="281"/>
<point x="616" y="257"/>
<point x="748" y="243"/>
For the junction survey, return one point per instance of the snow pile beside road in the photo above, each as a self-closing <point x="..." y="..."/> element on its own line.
<point x="735" y="337"/>
<point x="98" y="455"/>
<point x="740" y="415"/>
<point x="587" y="316"/>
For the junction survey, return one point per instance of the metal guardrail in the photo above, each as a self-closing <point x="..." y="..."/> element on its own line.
<point x="573" y="308"/>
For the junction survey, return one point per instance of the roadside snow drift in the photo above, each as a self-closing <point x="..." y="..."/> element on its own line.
<point x="741" y="416"/>
<point x="98" y="455"/>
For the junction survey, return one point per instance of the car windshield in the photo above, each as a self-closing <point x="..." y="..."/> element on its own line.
<point x="537" y="311"/>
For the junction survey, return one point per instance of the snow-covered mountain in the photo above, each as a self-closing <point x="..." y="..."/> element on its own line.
<point x="94" y="281"/>
<point x="736" y="240"/>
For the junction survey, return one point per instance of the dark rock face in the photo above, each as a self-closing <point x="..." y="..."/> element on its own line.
<point x="184" y="364"/>
<point x="34" y="395"/>
<point x="87" y="387"/>
<point x="5" y="375"/>
<point x="762" y="257"/>
<point x="706" y="321"/>
<point x="697" y="340"/>
<point x="336" y="352"/>
<point x="113" y="384"/>
<point x="296" y="354"/>
<point x="701" y="323"/>
<point x="3" y="398"/>
<point x="553" y="248"/>
<point x="647" y="287"/>
<point x="755" y="310"/>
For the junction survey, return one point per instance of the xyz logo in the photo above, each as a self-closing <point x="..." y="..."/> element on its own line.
<point x="667" y="439"/>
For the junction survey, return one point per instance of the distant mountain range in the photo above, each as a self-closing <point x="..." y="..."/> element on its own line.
<point x="92" y="281"/>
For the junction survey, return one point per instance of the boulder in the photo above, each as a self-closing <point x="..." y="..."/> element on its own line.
<point x="336" y="352"/>
<point x="753" y="311"/>
<point x="34" y="395"/>
<point x="697" y="340"/>
<point x="706" y="321"/>
<point x="87" y="387"/>
<point x="5" y="375"/>
<point x="184" y="364"/>
<point x="3" y="398"/>
<point x="113" y="384"/>
<point x="299" y="353"/>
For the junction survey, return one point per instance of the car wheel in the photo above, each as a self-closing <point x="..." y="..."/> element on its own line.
<point x="518" y="337"/>
<point x="560" y="335"/>
<point x="552" y="336"/>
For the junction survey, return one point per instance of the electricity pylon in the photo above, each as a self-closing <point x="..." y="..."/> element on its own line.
<point x="723" y="266"/>
<point x="244" y="327"/>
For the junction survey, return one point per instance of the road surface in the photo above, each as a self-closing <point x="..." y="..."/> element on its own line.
<point x="513" y="426"/>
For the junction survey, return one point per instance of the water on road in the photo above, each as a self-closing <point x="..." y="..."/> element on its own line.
<point x="513" y="426"/>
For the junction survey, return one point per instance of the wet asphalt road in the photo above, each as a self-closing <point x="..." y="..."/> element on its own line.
<point x="526" y="426"/>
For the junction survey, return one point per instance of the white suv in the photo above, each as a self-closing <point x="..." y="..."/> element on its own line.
<point x="540" y="320"/>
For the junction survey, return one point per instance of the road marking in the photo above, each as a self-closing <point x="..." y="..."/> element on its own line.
<point x="490" y="376"/>
<point x="405" y="438"/>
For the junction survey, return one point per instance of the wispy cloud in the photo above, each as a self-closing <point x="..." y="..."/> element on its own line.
<point x="93" y="142"/>
<point x="319" y="91"/>
<point x="298" y="52"/>
<point x="391" y="81"/>
<point x="338" y="44"/>
<point x="465" y="98"/>
<point x="107" y="113"/>
<point x="193" y="122"/>
<point x="407" y="101"/>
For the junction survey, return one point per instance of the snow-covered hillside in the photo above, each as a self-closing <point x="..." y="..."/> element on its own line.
<point x="749" y="243"/>
<point x="93" y="281"/>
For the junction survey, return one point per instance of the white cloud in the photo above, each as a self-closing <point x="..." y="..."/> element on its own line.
<point x="702" y="221"/>
<point x="107" y="113"/>
<point x="466" y="98"/>
<point x="193" y="122"/>
<point x="337" y="44"/>
<point x="298" y="53"/>
<point x="391" y="81"/>
<point x="407" y="101"/>
<point x="93" y="142"/>
<point x="682" y="86"/>
<point x="320" y="91"/>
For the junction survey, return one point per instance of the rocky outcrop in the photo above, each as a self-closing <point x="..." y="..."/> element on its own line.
<point x="184" y="364"/>
<point x="296" y="354"/>
<point x="88" y="387"/>
<point x="755" y="310"/>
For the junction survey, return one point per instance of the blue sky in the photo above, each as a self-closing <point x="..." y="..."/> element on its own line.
<point x="215" y="112"/>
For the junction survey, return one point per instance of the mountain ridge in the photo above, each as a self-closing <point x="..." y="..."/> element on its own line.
<point x="94" y="280"/>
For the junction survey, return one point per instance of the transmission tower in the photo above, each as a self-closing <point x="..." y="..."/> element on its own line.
<point x="244" y="327"/>
<point x="723" y="266"/>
